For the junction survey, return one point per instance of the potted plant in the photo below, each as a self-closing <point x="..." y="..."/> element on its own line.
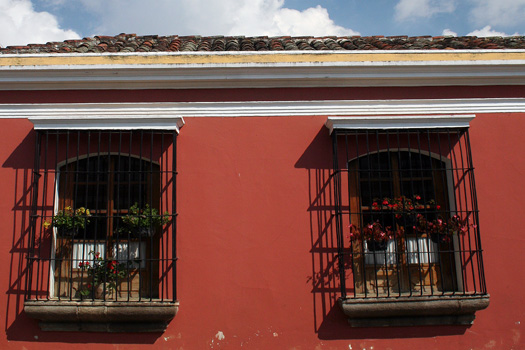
<point x="375" y="235"/>
<point x="68" y="221"/>
<point x="410" y="218"/>
<point x="405" y="210"/>
<point x="142" y="222"/>
<point x="441" y="230"/>
<point x="104" y="275"/>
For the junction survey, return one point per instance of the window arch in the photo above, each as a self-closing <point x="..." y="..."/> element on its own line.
<point x="108" y="185"/>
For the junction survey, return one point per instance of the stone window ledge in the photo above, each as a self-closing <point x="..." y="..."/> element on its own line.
<point x="102" y="316"/>
<point x="413" y="311"/>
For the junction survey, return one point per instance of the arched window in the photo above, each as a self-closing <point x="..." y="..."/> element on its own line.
<point x="398" y="196"/>
<point x="104" y="211"/>
<point x="406" y="218"/>
<point x="108" y="186"/>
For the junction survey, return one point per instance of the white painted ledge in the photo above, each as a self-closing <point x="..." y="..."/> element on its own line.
<point x="399" y="122"/>
<point x="99" y="116"/>
<point x="108" y="122"/>
<point x="170" y="114"/>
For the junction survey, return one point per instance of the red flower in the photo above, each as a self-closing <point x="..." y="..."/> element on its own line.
<point x="86" y="263"/>
<point x="438" y="207"/>
<point x="385" y="202"/>
<point x="80" y="264"/>
<point x="418" y="198"/>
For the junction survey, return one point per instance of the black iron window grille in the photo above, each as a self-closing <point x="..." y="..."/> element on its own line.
<point x="406" y="215"/>
<point x="103" y="217"/>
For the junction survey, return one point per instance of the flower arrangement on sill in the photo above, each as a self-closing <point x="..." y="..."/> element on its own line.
<point x="403" y="205"/>
<point x="408" y="219"/>
<point x="441" y="230"/>
<point x="375" y="234"/>
<point x="104" y="275"/>
<point x="143" y="222"/>
<point x="68" y="221"/>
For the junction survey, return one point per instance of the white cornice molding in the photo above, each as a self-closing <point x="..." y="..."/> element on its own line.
<point x="399" y="122"/>
<point x="168" y="115"/>
<point x="264" y="75"/>
<point x="115" y="118"/>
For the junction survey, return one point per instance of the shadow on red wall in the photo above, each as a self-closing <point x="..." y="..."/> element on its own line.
<point x="19" y="327"/>
<point x="329" y="321"/>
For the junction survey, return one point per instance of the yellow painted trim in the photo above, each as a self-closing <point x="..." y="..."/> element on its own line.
<point x="238" y="58"/>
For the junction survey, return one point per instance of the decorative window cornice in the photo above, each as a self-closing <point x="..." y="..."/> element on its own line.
<point x="399" y="122"/>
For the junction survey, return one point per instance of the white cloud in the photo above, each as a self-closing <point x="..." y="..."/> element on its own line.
<point x="211" y="17"/>
<point x="312" y="21"/>
<point x="448" y="32"/>
<point x="20" y="25"/>
<point x="487" y="31"/>
<point x="498" y="12"/>
<point x="53" y="2"/>
<point x="412" y="9"/>
<point x="484" y="32"/>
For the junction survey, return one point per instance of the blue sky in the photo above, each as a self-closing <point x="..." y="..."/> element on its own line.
<point x="40" y="21"/>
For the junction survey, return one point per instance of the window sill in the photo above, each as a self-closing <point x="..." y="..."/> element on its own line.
<point x="413" y="311"/>
<point x="102" y="316"/>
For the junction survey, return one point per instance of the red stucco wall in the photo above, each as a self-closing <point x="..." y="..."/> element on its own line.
<point x="255" y="260"/>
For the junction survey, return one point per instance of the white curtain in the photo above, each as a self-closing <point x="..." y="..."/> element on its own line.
<point x="82" y="252"/>
<point x="124" y="251"/>
<point x="421" y="250"/>
<point x="380" y="257"/>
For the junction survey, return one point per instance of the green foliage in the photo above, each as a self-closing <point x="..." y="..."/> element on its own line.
<point x="143" y="218"/>
<point x="100" y="271"/>
<point x="70" y="219"/>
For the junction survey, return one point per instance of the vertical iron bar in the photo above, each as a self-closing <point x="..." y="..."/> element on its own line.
<point x="44" y="217"/>
<point x="163" y="208"/>
<point x="117" y="213"/>
<point x="425" y="209"/>
<point x="338" y="219"/>
<point x="152" y="256"/>
<point x="74" y="207"/>
<point x="129" y="179"/>
<point x="39" y="261"/>
<point x="383" y="224"/>
<point x="32" y="234"/>
<point x="174" y="215"/>
<point x="475" y="213"/>
<point x="466" y="211"/>
<point x="389" y="176"/>
<point x="444" y="184"/>
<point x="351" y="210"/>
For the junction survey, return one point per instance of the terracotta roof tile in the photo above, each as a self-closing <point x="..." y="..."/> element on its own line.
<point x="154" y="43"/>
